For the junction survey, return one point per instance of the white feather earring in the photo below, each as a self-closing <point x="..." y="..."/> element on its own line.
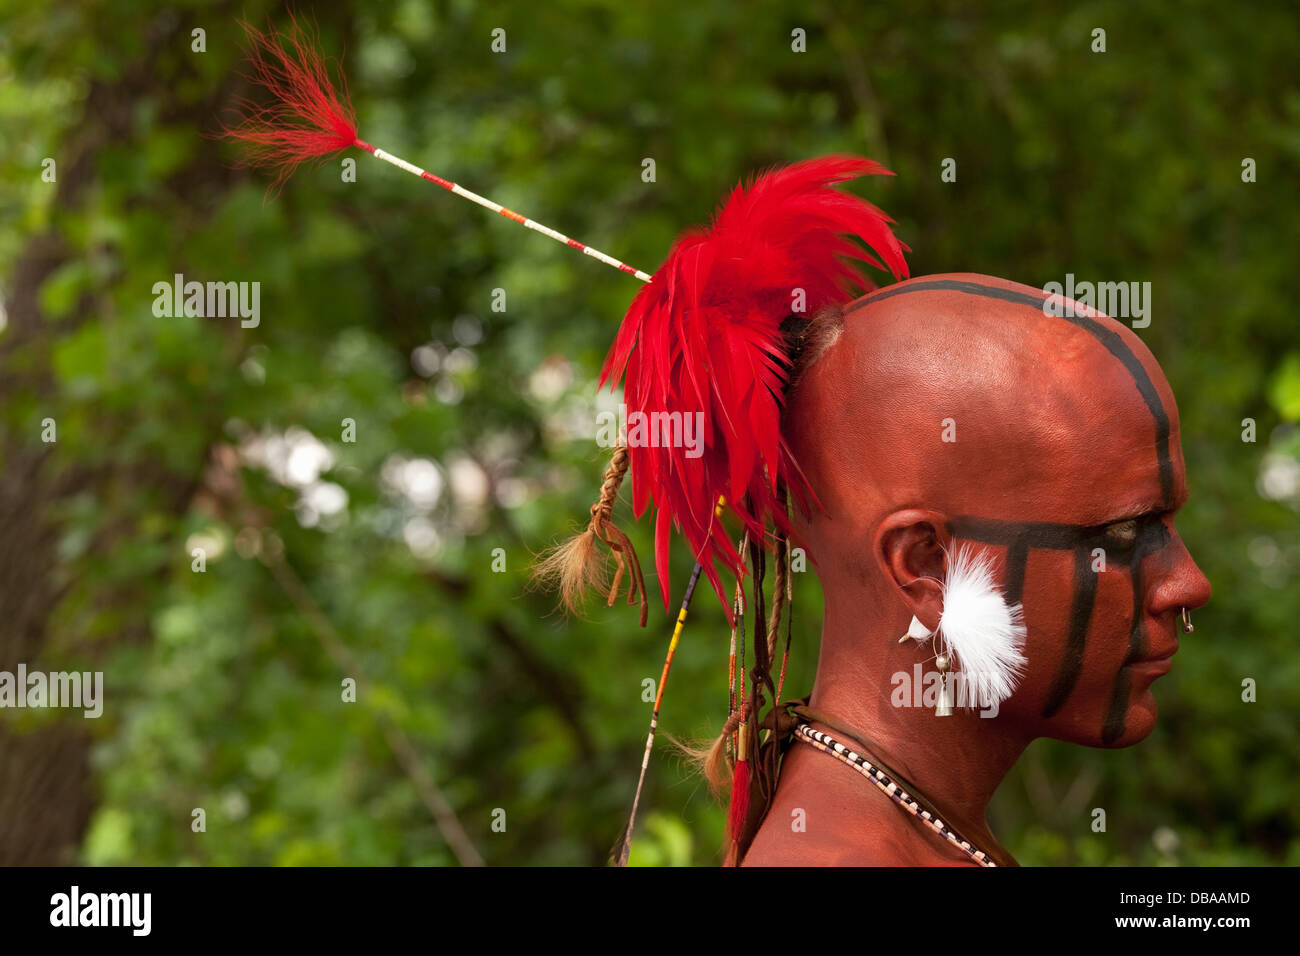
<point x="916" y="631"/>
<point x="978" y="629"/>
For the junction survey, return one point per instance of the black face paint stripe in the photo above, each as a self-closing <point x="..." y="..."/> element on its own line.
<point x="1017" y="558"/>
<point x="1151" y="538"/>
<point x="1113" y="727"/>
<point x="1085" y="593"/>
<point x="1018" y="538"/>
<point x="1029" y="534"/>
<point x="1109" y="339"/>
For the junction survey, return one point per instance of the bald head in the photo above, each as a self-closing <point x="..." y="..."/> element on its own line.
<point x="953" y="408"/>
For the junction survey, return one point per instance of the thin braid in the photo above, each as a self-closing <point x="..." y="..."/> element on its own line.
<point x="719" y="759"/>
<point x="575" y="566"/>
<point x="780" y="589"/>
<point x="609" y="485"/>
<point x="761" y="677"/>
<point x="732" y="706"/>
<point x="758" y="564"/>
<point x="740" y="632"/>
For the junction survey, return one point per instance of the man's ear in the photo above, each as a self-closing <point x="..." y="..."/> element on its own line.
<point x="910" y="548"/>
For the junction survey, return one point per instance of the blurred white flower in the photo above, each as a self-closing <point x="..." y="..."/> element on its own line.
<point x="212" y="541"/>
<point x="427" y="359"/>
<point x="421" y="537"/>
<point x="512" y="492"/>
<point x="1165" y="840"/>
<point x="460" y="362"/>
<point x="448" y="391"/>
<point x="295" y="458"/>
<point x="469" y="483"/>
<point x="467" y="330"/>
<point x="325" y="497"/>
<point x="1279" y="477"/>
<point x="550" y="379"/>
<point x="418" y="480"/>
<point x="307" y="458"/>
<point x="234" y="804"/>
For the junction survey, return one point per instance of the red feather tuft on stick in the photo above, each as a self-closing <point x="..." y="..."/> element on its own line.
<point x="308" y="118"/>
<point x="704" y="336"/>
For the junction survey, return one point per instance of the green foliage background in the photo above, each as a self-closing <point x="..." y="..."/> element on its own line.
<point x="221" y="691"/>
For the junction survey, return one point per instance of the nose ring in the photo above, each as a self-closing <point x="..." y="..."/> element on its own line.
<point x="1187" y="621"/>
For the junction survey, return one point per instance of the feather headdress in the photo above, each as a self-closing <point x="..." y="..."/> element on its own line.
<point x="706" y="338"/>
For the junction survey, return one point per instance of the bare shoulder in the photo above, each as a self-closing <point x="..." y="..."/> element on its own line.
<point x="827" y="824"/>
<point x="785" y="839"/>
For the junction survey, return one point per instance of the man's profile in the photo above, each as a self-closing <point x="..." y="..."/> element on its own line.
<point x="1066" y="465"/>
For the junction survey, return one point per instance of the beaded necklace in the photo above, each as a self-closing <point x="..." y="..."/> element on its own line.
<point x="829" y="745"/>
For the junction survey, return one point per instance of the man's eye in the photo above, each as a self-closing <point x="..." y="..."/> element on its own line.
<point x="1122" y="534"/>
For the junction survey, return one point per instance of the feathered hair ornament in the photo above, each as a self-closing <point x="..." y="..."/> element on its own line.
<point x="710" y="336"/>
<point x="707" y="337"/>
<point x="706" y="340"/>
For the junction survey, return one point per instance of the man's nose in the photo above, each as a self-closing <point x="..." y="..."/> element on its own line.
<point x="1182" y="585"/>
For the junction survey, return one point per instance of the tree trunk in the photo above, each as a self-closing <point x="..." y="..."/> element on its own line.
<point x="46" y="787"/>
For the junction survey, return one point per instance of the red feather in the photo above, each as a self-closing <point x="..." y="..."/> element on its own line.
<point x="308" y="117"/>
<point x="738" y="809"/>
<point x="705" y="336"/>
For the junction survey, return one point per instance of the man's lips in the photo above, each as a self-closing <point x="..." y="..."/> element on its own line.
<point x="1158" y="662"/>
<point x="1153" y="668"/>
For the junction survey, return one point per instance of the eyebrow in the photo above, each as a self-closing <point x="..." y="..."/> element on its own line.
<point x="1148" y="510"/>
<point x="1135" y="514"/>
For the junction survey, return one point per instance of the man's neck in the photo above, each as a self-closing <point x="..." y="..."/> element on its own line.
<point x="955" y="763"/>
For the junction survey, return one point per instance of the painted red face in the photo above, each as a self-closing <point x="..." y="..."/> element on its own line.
<point x="1051" y="441"/>
<point x="1102" y="600"/>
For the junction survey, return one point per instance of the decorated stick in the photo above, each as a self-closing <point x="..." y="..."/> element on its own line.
<point x="460" y="190"/>
<point x="310" y="118"/>
<point x="625" y="845"/>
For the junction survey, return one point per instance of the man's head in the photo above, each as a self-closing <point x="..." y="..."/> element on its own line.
<point x="952" y="409"/>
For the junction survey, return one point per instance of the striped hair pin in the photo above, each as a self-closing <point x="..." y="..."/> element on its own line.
<point x="311" y="118"/>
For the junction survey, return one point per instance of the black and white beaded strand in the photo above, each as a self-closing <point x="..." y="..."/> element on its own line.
<point x="829" y="745"/>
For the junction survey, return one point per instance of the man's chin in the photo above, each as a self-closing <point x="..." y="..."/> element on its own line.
<point x="1138" y="724"/>
<point x="1139" y="721"/>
